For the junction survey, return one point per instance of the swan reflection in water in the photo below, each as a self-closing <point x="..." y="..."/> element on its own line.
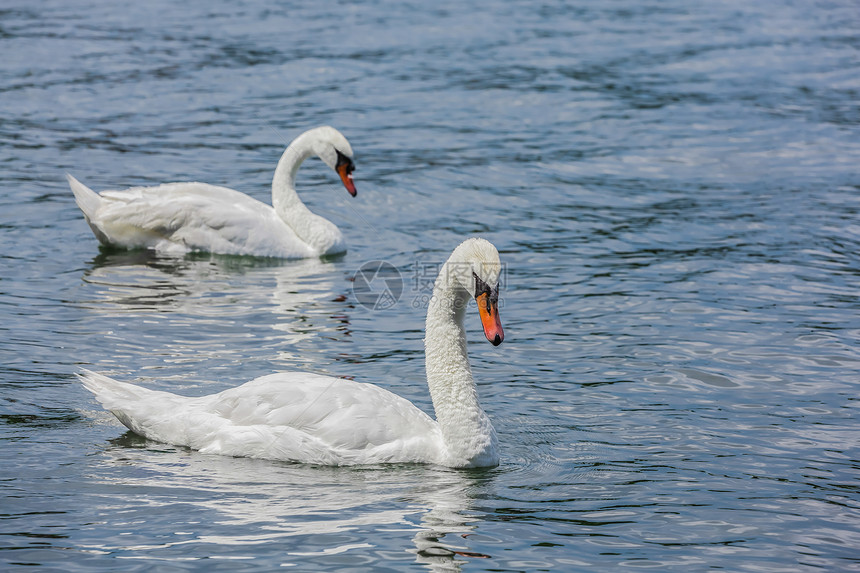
<point x="303" y="512"/>
<point x="204" y="306"/>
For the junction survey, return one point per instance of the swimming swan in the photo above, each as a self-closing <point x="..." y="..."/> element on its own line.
<point x="303" y="417"/>
<point x="183" y="217"/>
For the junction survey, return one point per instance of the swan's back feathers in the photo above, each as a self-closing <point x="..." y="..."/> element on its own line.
<point x="179" y="217"/>
<point x="290" y="416"/>
<point x="342" y="413"/>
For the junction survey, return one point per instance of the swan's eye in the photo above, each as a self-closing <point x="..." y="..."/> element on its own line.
<point x="481" y="287"/>
<point x="344" y="162"/>
<point x="344" y="168"/>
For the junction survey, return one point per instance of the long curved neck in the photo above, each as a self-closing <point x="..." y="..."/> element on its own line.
<point x="322" y="235"/>
<point x="469" y="436"/>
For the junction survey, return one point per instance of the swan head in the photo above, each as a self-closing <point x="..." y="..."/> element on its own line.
<point x="332" y="147"/>
<point x="475" y="266"/>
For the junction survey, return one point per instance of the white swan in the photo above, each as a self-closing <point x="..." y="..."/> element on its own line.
<point x="302" y="417"/>
<point x="182" y="217"/>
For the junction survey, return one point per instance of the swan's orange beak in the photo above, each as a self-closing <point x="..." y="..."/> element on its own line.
<point x="489" y="311"/>
<point x="344" y="169"/>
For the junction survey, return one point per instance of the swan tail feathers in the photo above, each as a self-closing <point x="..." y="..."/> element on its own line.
<point x="87" y="199"/>
<point x="89" y="202"/>
<point x="112" y="393"/>
<point x="149" y="413"/>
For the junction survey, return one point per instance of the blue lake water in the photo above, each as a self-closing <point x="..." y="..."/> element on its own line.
<point x="675" y="193"/>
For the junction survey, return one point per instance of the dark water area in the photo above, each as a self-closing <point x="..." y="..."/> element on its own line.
<point x="674" y="192"/>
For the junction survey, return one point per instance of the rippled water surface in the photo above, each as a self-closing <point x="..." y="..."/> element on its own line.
<point x="674" y="190"/>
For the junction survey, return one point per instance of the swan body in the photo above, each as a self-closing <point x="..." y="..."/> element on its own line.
<point x="310" y="418"/>
<point x="184" y="217"/>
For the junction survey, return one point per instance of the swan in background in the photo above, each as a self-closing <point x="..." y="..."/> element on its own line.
<point x="183" y="217"/>
<point x="303" y="417"/>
